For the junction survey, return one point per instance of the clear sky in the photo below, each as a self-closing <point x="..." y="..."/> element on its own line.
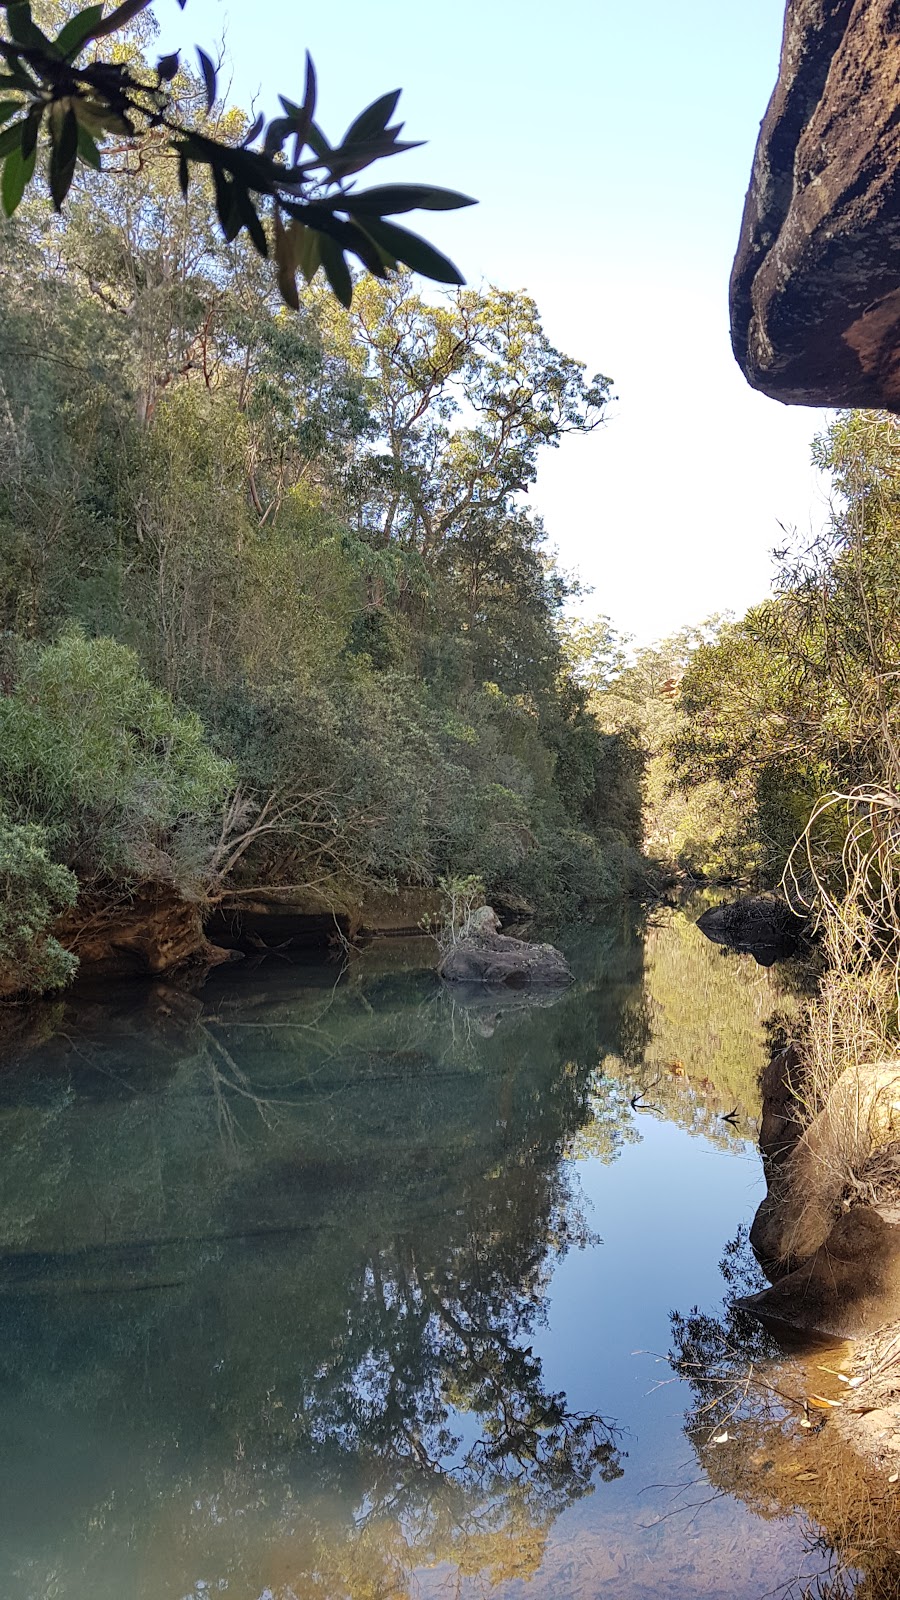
<point x="609" y="144"/>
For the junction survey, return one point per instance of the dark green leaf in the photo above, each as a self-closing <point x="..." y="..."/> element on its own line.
<point x="373" y="121"/>
<point x="226" y="204"/>
<point x="287" y="265"/>
<point x="279" y="129"/>
<point x="30" y="133"/>
<point x="24" y="31"/>
<point x="304" y="116"/>
<point x="250" y="220"/>
<point x="336" y="270"/>
<point x="60" y="178"/>
<point x="391" y="198"/>
<point x="253" y="131"/>
<point x="167" y="66"/>
<point x="363" y="246"/>
<point x="315" y="219"/>
<point x="18" y="76"/>
<point x="87" y="150"/>
<point x="317" y="141"/>
<point x="209" y="77"/>
<point x="353" y="158"/>
<point x="77" y="30"/>
<point x="308" y="248"/>
<point x="62" y="157"/>
<point x="17" y="173"/>
<point x="184" y="173"/>
<point x="388" y="262"/>
<point x="413" y="251"/>
<point x="311" y="90"/>
<point x="11" y="138"/>
<point x="64" y="134"/>
<point x="8" y="108"/>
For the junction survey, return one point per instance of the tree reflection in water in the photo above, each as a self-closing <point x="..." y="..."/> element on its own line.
<point x="273" y="1267"/>
<point x="756" y="1437"/>
<point x="274" y="1259"/>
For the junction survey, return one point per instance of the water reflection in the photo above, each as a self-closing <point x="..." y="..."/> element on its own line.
<point x="275" y="1260"/>
<point x="760" y="1430"/>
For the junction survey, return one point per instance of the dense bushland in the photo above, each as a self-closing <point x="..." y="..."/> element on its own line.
<point x="275" y="607"/>
<point x="794" y="712"/>
<point x="800" y="699"/>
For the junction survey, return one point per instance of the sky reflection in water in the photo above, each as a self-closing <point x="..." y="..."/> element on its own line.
<point x="350" y="1289"/>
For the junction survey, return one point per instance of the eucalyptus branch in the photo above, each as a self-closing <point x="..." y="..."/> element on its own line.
<point x="298" y="209"/>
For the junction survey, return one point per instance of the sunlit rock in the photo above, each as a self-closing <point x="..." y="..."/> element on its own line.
<point x="860" y="1115"/>
<point x="849" y="1287"/>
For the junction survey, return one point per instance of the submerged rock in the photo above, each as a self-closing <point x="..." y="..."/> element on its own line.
<point x="760" y="925"/>
<point x="495" y="958"/>
<point x="815" y="288"/>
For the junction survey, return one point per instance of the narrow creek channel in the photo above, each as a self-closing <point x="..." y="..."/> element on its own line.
<point x="323" y="1283"/>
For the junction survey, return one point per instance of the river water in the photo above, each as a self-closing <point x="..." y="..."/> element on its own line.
<point x="322" y="1283"/>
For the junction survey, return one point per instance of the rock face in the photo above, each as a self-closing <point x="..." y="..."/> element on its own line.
<point x="760" y="925"/>
<point x="273" y="918"/>
<point x="153" y="931"/>
<point x="849" y="1287"/>
<point x="861" y="1115"/>
<point x="494" y="958"/>
<point x="815" y="288"/>
<point x="835" y="1262"/>
<point x="780" y="1126"/>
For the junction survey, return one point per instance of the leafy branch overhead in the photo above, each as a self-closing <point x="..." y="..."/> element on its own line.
<point x="293" y="193"/>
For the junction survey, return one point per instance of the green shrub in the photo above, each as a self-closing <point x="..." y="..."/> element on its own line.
<point x="124" y="783"/>
<point x="570" y="873"/>
<point x="33" y="890"/>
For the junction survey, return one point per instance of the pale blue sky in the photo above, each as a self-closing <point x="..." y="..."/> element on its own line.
<point x="609" y="145"/>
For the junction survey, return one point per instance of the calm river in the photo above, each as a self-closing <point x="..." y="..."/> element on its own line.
<point x="324" y="1284"/>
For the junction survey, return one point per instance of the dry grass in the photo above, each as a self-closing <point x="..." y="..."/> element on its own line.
<point x="853" y="889"/>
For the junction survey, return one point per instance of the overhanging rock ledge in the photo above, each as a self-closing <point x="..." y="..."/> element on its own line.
<point x="815" y="288"/>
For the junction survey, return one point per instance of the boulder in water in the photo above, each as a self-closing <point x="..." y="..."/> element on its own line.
<point x="849" y="1287"/>
<point x="494" y="958"/>
<point x="760" y="925"/>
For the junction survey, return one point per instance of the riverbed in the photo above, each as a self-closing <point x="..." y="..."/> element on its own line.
<point x="319" y="1280"/>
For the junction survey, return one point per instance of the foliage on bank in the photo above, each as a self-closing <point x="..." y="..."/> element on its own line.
<point x="276" y="608"/>
<point x="795" y="712"/>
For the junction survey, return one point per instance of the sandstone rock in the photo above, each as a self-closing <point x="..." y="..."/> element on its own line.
<point x="780" y="1125"/>
<point x="862" y="1114"/>
<point x="850" y="1287"/>
<point x="494" y="958"/>
<point x="761" y="925"/>
<point x="273" y="918"/>
<point x="484" y="920"/>
<point x="815" y="288"/>
<point x="154" y="930"/>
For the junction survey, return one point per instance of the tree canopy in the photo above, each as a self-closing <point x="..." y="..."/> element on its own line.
<point x="310" y="530"/>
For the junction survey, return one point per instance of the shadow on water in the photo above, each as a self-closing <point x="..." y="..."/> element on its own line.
<point x="277" y="1260"/>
